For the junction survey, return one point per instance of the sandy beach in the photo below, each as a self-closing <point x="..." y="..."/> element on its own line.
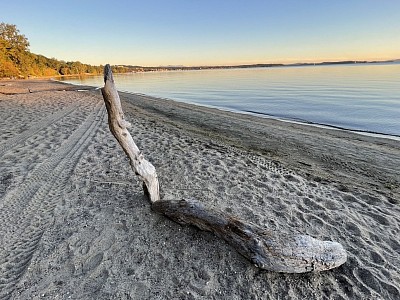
<point x="74" y="223"/>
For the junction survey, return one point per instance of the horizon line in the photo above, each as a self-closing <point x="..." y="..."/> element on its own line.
<point x="349" y="61"/>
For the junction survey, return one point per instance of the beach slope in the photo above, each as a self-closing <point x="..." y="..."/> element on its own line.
<point x="74" y="223"/>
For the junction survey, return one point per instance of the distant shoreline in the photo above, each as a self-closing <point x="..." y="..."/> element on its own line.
<point x="141" y="69"/>
<point x="138" y="69"/>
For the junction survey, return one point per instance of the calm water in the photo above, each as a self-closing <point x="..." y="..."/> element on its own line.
<point x="357" y="97"/>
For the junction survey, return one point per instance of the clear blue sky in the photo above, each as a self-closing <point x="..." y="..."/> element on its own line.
<point x="208" y="32"/>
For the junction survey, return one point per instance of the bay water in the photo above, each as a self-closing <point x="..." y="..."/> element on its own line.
<point x="358" y="97"/>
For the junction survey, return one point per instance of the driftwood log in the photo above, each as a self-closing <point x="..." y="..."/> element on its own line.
<point x="274" y="251"/>
<point x="119" y="128"/>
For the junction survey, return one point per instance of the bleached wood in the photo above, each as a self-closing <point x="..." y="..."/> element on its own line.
<point x="267" y="249"/>
<point x="118" y="126"/>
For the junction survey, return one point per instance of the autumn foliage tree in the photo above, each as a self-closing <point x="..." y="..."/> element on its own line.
<point x="13" y="49"/>
<point x="16" y="61"/>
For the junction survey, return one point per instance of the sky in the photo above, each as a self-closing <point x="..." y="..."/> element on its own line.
<point x="208" y="32"/>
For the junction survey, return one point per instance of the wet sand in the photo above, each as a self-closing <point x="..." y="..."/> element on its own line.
<point x="74" y="223"/>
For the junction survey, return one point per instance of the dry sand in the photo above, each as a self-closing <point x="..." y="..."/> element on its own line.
<point x="74" y="223"/>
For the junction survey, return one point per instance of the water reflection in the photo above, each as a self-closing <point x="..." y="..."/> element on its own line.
<point x="360" y="97"/>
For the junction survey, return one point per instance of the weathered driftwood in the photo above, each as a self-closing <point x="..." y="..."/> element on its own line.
<point x="274" y="251"/>
<point x="118" y="126"/>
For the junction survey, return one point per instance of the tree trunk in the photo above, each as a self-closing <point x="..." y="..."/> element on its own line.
<point x="274" y="251"/>
<point x="118" y="126"/>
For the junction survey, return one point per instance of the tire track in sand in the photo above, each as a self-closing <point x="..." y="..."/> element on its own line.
<point x="36" y="127"/>
<point x="26" y="211"/>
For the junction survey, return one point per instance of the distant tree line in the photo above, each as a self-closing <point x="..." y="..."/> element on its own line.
<point x="16" y="61"/>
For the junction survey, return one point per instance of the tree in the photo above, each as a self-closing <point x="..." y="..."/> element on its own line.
<point x="7" y="68"/>
<point x="17" y="61"/>
<point x="13" y="43"/>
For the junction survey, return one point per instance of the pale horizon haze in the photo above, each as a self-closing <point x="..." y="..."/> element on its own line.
<point x="155" y="33"/>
